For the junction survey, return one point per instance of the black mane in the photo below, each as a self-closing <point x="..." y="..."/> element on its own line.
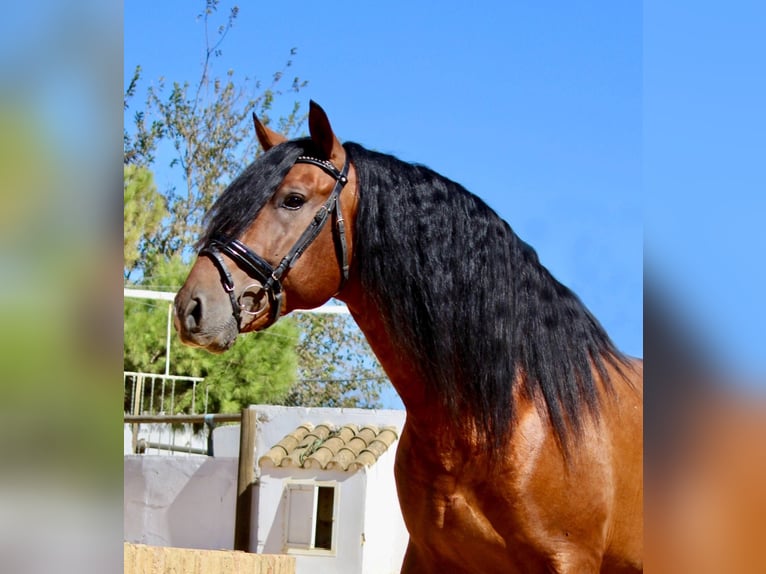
<point x="471" y="302"/>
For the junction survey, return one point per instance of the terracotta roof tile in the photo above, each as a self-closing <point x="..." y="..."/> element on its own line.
<point x="346" y="448"/>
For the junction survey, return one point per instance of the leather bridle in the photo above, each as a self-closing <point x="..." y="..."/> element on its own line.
<point x="270" y="278"/>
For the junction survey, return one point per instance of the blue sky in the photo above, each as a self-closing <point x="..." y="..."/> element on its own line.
<point x="704" y="154"/>
<point x="536" y="109"/>
<point x="595" y="131"/>
<point x="590" y="129"/>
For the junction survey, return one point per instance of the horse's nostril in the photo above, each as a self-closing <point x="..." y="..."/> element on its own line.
<point x="193" y="316"/>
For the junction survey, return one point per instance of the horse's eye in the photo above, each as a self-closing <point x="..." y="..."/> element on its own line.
<point x="294" y="201"/>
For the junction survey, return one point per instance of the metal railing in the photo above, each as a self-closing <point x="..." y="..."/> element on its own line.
<point x="162" y="411"/>
<point x="152" y="393"/>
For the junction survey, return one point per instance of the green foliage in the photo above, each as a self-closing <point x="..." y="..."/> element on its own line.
<point x="143" y="210"/>
<point x="260" y="368"/>
<point x="352" y="377"/>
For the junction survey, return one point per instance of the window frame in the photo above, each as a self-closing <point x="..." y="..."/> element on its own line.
<point x="313" y="486"/>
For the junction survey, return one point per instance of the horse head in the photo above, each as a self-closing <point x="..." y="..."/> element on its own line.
<point x="292" y="253"/>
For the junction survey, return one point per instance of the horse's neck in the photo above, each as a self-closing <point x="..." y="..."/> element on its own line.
<point x="390" y="355"/>
<point x="425" y="411"/>
<point x="402" y="375"/>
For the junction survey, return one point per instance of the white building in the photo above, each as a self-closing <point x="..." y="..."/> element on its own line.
<point x="324" y="491"/>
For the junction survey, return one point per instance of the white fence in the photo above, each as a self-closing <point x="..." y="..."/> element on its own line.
<point x="154" y="394"/>
<point x="150" y="394"/>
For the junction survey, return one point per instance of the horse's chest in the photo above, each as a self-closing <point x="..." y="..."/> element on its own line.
<point x="445" y="518"/>
<point x="451" y="512"/>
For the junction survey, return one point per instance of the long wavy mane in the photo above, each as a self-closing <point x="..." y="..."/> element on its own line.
<point x="471" y="304"/>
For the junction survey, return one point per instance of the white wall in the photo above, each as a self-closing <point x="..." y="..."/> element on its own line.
<point x="181" y="501"/>
<point x="385" y="533"/>
<point x="181" y="436"/>
<point x="372" y="536"/>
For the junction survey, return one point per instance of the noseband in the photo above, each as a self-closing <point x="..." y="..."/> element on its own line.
<point x="270" y="278"/>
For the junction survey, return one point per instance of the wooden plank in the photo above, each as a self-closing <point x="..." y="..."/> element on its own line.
<point x="142" y="559"/>
<point x="245" y="479"/>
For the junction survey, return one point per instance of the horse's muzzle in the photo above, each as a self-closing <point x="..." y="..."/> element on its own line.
<point x="199" y="324"/>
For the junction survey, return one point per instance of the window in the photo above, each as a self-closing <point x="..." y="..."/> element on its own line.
<point x="311" y="510"/>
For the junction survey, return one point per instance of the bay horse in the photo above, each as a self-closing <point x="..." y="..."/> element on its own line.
<point x="522" y="448"/>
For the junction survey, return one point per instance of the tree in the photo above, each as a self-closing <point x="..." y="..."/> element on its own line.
<point x="208" y="128"/>
<point x="202" y="132"/>
<point x="143" y="211"/>
<point x="351" y="378"/>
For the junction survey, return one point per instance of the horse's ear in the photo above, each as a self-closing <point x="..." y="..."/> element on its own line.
<point x="267" y="137"/>
<point x="323" y="136"/>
